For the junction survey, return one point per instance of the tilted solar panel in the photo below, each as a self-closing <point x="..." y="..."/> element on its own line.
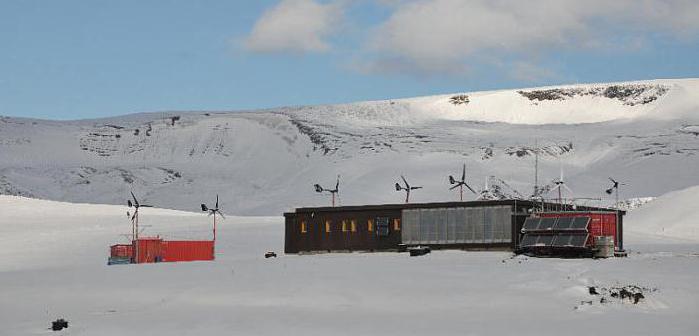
<point x="564" y="223"/>
<point x="544" y="240"/>
<point x="561" y="240"/>
<point x="580" y="223"/>
<point x="547" y="223"/>
<point x="531" y="224"/>
<point x="578" y="240"/>
<point x="529" y="240"/>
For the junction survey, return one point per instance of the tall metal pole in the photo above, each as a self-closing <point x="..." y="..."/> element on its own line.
<point x="461" y="192"/>
<point x="407" y="195"/>
<point x="333" y="198"/>
<point x="536" y="168"/>
<point x="136" y="247"/>
<point x="616" y="234"/>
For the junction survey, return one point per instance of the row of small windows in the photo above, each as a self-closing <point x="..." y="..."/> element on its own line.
<point x="351" y="225"/>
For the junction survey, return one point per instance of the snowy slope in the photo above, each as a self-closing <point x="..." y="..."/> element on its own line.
<point x="265" y="162"/>
<point x="673" y="215"/>
<point x="53" y="264"/>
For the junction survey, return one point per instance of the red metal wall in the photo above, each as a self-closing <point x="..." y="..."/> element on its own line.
<point x="121" y="251"/>
<point x="601" y="223"/>
<point x="149" y="250"/>
<point x="185" y="250"/>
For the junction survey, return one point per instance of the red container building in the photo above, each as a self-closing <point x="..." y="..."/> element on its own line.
<point x="155" y="249"/>
<point x="187" y="250"/>
<point x="602" y="223"/>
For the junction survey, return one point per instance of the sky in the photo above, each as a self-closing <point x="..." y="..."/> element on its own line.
<point x="88" y="59"/>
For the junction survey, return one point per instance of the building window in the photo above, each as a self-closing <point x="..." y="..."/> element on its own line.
<point x="304" y="229"/>
<point x="370" y="225"/>
<point x="344" y="225"/>
<point x="396" y="224"/>
<point x="353" y="225"/>
<point x="327" y="226"/>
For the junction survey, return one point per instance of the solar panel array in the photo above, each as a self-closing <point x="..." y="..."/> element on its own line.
<point x="555" y="240"/>
<point x="555" y="224"/>
<point x="555" y="232"/>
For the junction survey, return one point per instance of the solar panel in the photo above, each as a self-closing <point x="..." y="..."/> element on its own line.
<point x="530" y="224"/>
<point x="580" y="223"/>
<point x="547" y="223"/>
<point x="561" y="240"/>
<point x="544" y="240"/>
<point x="529" y="240"/>
<point x="578" y="240"/>
<point x="564" y="223"/>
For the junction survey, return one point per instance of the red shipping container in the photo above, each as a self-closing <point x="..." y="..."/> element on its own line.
<point x="149" y="250"/>
<point x="184" y="250"/>
<point x="601" y="223"/>
<point x="121" y="251"/>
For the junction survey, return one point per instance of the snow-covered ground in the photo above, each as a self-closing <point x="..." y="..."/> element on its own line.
<point x="53" y="264"/>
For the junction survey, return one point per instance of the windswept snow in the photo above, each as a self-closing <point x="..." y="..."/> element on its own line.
<point x="53" y="264"/>
<point x="675" y="215"/>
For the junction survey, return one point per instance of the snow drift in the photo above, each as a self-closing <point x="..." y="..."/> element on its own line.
<point x="674" y="214"/>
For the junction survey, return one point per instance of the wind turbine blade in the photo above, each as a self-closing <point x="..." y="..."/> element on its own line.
<point x="337" y="184"/>
<point x="554" y="188"/>
<point x="134" y="199"/>
<point x="455" y="186"/>
<point x="221" y="214"/>
<point x="463" y="174"/>
<point x="566" y="187"/>
<point x="216" y="201"/>
<point x="469" y="188"/>
<point x="406" y="182"/>
<point x="413" y="188"/>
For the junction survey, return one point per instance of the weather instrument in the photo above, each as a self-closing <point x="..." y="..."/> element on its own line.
<point x="213" y="212"/>
<point x="333" y="192"/>
<point x="407" y="188"/>
<point x="461" y="184"/>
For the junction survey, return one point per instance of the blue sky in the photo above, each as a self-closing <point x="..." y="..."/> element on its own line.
<point x="87" y="59"/>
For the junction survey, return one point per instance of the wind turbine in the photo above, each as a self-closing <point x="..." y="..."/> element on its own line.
<point x="335" y="191"/>
<point x="615" y="189"/>
<point x="560" y="184"/>
<point x="407" y="189"/>
<point x="213" y="212"/>
<point x="461" y="184"/>
<point x="134" y="221"/>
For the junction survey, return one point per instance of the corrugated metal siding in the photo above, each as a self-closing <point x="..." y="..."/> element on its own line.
<point x="187" y="250"/>
<point x="149" y="250"/>
<point x="461" y="225"/>
<point x="121" y="251"/>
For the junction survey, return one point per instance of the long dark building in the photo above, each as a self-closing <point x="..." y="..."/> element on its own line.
<point x="495" y="225"/>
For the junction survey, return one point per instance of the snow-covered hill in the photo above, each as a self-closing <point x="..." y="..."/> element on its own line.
<point x="264" y="162"/>
<point x="674" y="215"/>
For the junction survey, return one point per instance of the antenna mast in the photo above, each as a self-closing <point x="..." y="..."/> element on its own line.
<point x="536" y="167"/>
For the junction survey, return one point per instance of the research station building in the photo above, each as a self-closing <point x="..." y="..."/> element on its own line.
<point x="479" y="225"/>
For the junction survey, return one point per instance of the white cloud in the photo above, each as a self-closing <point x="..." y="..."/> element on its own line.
<point x="296" y="26"/>
<point x="437" y="36"/>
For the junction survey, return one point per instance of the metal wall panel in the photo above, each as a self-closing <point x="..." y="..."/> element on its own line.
<point x="463" y="225"/>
